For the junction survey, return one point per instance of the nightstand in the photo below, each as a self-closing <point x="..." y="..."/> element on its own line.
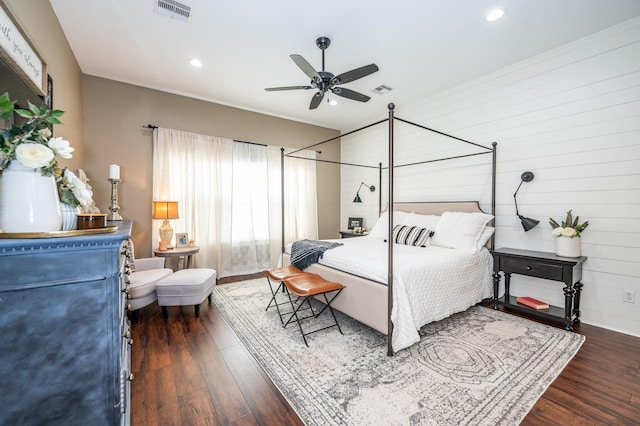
<point x="351" y="234"/>
<point x="540" y="265"/>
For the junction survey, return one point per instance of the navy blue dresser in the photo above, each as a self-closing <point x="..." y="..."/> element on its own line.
<point x="64" y="336"/>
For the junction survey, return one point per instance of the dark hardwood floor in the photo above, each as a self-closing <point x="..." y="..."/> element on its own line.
<point x="191" y="371"/>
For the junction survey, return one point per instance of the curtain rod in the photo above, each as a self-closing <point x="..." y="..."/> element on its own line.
<point x="251" y="143"/>
<point x="153" y="127"/>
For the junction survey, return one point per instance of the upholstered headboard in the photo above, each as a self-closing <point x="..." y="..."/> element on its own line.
<point x="439" y="207"/>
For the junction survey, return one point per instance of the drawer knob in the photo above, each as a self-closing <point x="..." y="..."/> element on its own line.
<point x="528" y="268"/>
<point x="130" y="378"/>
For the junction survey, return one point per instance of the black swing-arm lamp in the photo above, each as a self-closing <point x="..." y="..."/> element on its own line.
<point x="371" y="188"/>
<point x="527" y="223"/>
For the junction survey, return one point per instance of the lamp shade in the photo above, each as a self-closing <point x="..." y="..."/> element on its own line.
<point x="165" y="210"/>
<point x="528" y="223"/>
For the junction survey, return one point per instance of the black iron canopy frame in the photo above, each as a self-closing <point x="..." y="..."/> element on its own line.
<point x="392" y="166"/>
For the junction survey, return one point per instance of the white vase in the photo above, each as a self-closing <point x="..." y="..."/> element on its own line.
<point x="568" y="247"/>
<point x="28" y="201"/>
<point x="69" y="218"/>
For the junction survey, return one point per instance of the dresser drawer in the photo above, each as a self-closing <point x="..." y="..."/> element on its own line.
<point x="532" y="268"/>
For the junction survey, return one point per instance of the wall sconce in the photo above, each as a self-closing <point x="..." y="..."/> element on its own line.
<point x="371" y="188"/>
<point x="165" y="210"/>
<point x="527" y="223"/>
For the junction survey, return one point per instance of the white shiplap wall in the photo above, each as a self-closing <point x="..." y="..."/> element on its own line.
<point x="571" y="116"/>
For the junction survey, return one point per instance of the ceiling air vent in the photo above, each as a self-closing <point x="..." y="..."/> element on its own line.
<point x="382" y="90"/>
<point x="172" y="9"/>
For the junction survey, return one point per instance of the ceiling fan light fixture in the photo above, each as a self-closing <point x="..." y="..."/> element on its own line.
<point x="325" y="82"/>
<point x="495" y="14"/>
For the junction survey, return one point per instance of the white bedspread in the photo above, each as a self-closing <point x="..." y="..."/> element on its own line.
<point x="429" y="283"/>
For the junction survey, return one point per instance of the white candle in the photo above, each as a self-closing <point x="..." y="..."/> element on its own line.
<point x="114" y="171"/>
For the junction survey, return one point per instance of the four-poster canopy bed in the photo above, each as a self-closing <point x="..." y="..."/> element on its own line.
<point x="365" y="297"/>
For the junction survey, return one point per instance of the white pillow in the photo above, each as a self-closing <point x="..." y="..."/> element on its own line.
<point x="428" y="221"/>
<point x="381" y="228"/>
<point x="460" y="230"/>
<point x="484" y="237"/>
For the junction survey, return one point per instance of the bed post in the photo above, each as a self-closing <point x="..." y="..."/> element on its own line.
<point x="282" y="198"/>
<point x="379" y="189"/>
<point x="389" y="238"/>
<point x="493" y="192"/>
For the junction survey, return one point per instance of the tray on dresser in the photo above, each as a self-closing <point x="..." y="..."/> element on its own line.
<point x="57" y="234"/>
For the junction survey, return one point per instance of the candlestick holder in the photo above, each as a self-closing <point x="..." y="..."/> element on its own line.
<point x="114" y="207"/>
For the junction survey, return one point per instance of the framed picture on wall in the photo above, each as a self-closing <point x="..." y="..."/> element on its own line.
<point x="354" y="222"/>
<point x="182" y="240"/>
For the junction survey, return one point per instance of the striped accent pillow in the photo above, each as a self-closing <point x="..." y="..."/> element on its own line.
<point x="411" y="235"/>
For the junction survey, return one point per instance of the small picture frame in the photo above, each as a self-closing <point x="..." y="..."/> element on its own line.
<point x="182" y="239"/>
<point x="354" y="222"/>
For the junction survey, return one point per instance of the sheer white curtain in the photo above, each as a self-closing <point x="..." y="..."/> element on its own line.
<point x="229" y="198"/>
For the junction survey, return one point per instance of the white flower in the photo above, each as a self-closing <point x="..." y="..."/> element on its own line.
<point x="61" y="147"/>
<point x="34" y="155"/>
<point x="44" y="133"/>
<point x="83" y="194"/>
<point x="557" y="231"/>
<point x="568" y="232"/>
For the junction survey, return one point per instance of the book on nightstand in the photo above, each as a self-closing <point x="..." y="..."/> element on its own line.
<point x="532" y="303"/>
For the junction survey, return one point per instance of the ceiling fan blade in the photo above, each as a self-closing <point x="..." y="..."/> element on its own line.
<point x="350" y="94"/>
<point x="315" y="101"/>
<point x="305" y="67"/>
<point x="354" y="74"/>
<point x="271" y="89"/>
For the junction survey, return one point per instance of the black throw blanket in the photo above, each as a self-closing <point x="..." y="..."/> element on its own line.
<point x="308" y="252"/>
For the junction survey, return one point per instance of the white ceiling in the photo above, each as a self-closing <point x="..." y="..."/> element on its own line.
<point x="421" y="46"/>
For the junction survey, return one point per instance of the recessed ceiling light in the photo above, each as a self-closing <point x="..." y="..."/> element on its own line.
<point x="495" y="14"/>
<point x="196" y="63"/>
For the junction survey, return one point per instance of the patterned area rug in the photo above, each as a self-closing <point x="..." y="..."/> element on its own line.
<point x="479" y="367"/>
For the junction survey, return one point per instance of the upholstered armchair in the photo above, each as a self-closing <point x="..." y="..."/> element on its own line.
<point x="143" y="275"/>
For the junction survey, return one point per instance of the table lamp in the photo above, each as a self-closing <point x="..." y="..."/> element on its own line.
<point x="165" y="210"/>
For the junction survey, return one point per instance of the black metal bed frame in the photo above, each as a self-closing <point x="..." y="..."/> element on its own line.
<point x="390" y="120"/>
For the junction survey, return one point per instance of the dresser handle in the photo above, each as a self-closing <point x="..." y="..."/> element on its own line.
<point x="130" y="378"/>
<point x="528" y="268"/>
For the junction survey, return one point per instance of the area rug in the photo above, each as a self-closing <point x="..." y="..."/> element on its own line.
<point x="478" y="367"/>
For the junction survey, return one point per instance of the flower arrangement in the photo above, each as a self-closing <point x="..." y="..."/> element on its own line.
<point x="73" y="190"/>
<point x="570" y="227"/>
<point x="31" y="143"/>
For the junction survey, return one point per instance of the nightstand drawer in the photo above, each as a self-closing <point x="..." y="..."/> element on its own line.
<point x="534" y="269"/>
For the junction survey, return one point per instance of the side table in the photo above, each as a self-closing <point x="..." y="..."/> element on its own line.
<point x="184" y="255"/>
<point x="540" y="265"/>
<point x="351" y="234"/>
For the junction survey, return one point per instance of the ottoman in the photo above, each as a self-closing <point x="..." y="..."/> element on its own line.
<point x="186" y="287"/>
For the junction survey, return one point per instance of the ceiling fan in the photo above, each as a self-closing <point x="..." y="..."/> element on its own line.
<point x="324" y="81"/>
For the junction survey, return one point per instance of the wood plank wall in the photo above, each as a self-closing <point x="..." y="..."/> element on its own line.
<point x="572" y="117"/>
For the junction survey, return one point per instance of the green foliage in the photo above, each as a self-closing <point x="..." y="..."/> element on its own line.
<point x="570" y="222"/>
<point x="35" y="129"/>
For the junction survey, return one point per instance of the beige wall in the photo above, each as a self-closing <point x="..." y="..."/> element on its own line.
<point x="114" y="117"/>
<point x="103" y="121"/>
<point x="41" y="25"/>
